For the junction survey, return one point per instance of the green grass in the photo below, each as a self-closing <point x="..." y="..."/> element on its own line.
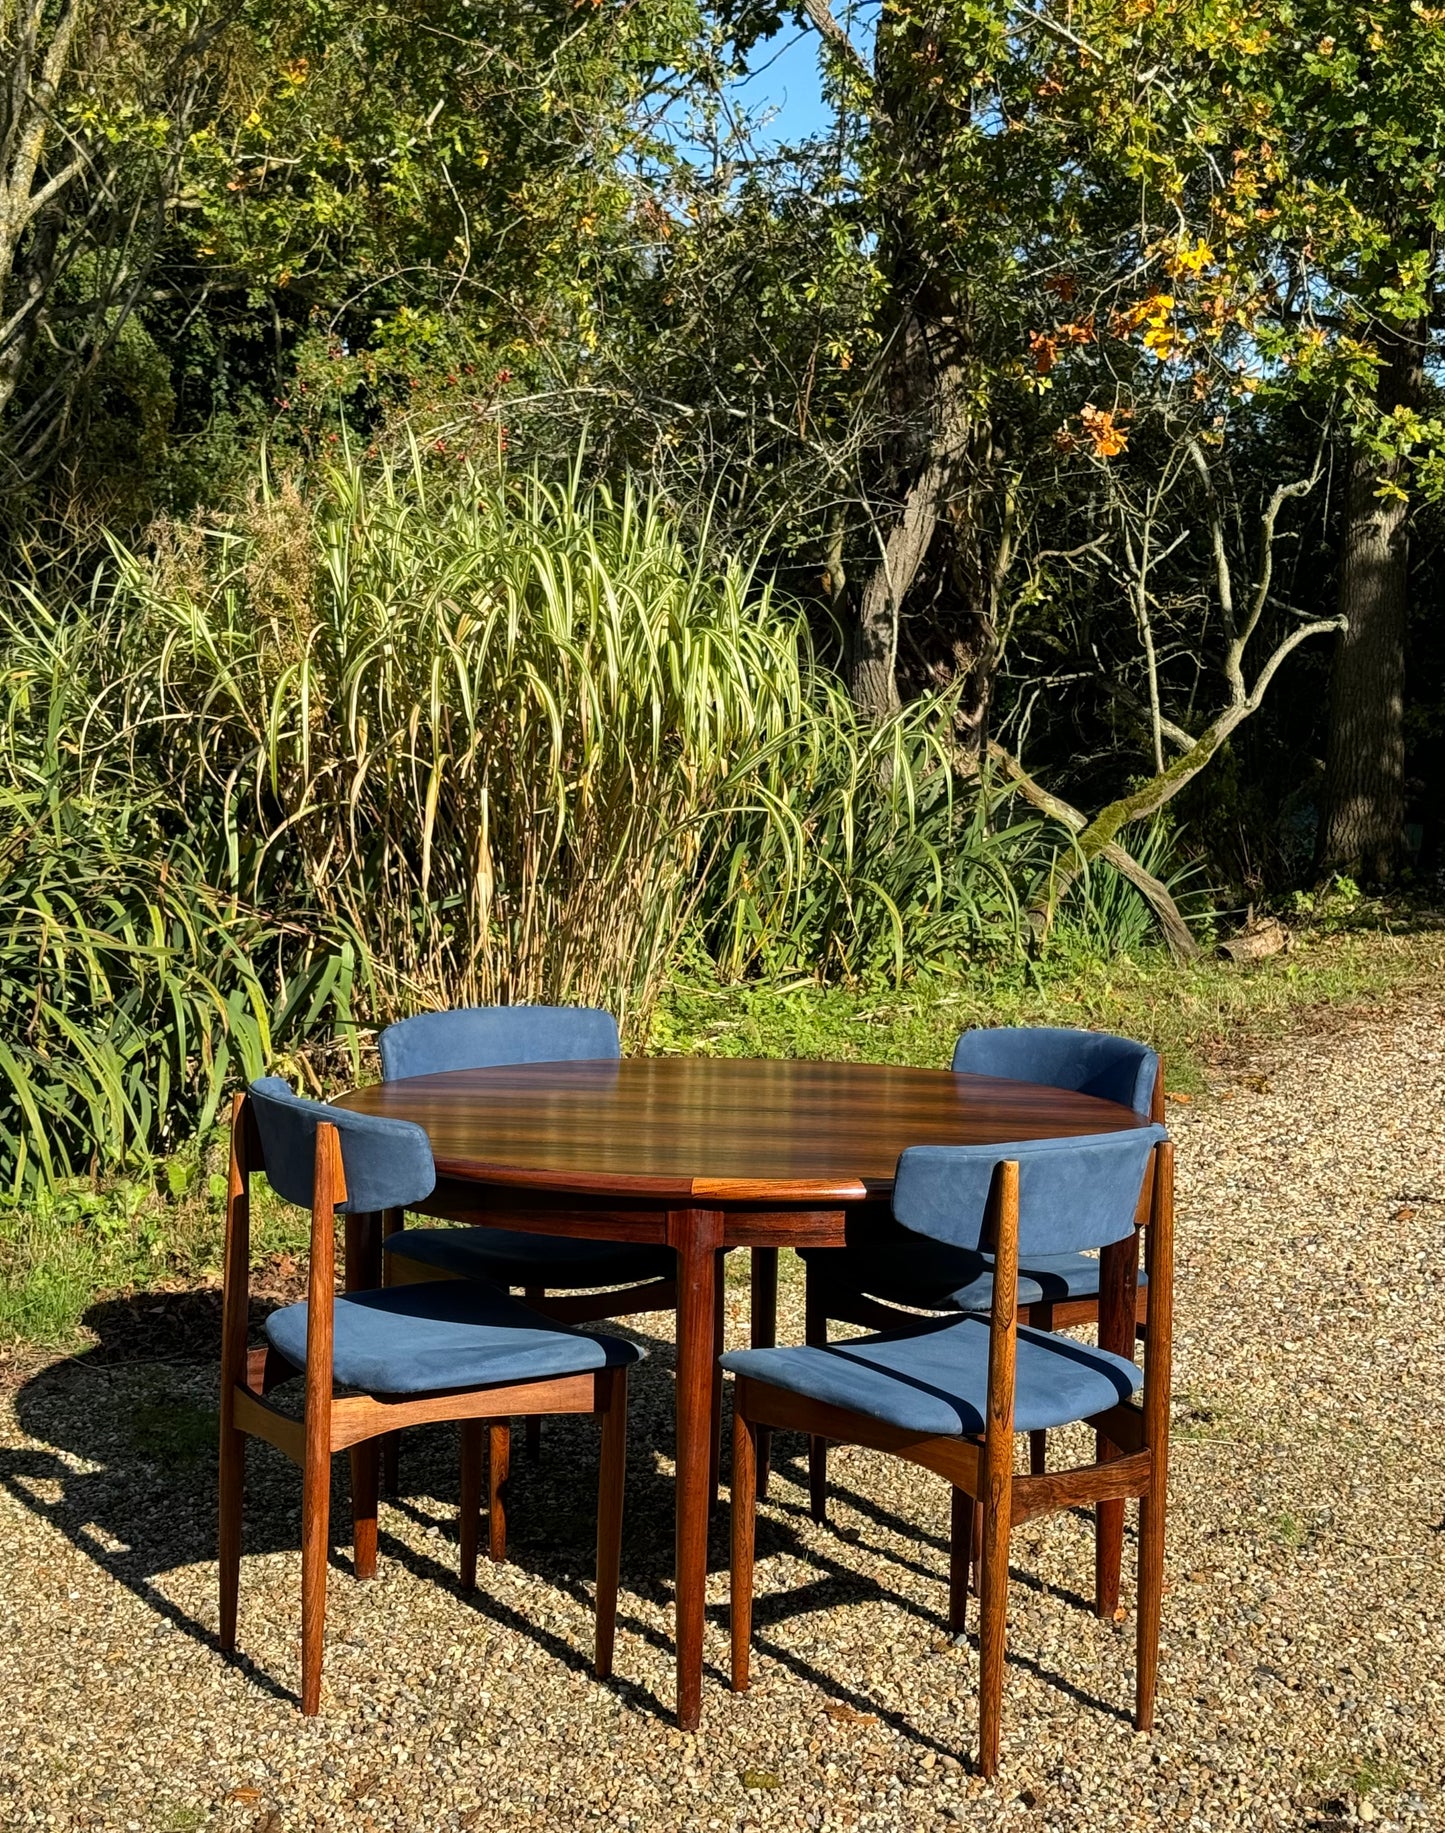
<point x="1189" y="1014"/>
<point x="61" y="1251"/>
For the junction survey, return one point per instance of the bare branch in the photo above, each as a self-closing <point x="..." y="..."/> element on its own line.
<point x="1319" y="627"/>
<point x="821" y="18"/>
<point x="1156" y="893"/>
<point x="1223" y="579"/>
<point x="1301" y="487"/>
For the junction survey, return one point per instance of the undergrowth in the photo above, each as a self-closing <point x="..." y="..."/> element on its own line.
<point x="61" y="1250"/>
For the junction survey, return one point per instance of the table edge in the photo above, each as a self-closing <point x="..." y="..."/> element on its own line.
<point x="695" y="1192"/>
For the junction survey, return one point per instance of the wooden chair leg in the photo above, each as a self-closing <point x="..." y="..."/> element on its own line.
<point x="744" y="1524"/>
<point x="994" y="1506"/>
<point x="499" y="1459"/>
<point x="315" y="1551"/>
<point x="977" y="1551"/>
<point x="714" y="1462"/>
<point x="233" y="1482"/>
<point x="533" y="1430"/>
<point x="764" y="1335"/>
<point x="469" y="1524"/>
<point x="365" y="1483"/>
<point x="960" y="1558"/>
<point x="390" y="1463"/>
<point x="1108" y="1547"/>
<point x="818" y="1478"/>
<point x="1038" y="1453"/>
<point x="815" y="1334"/>
<point x="1118" y="1322"/>
<point x="1151" y="1591"/>
<point x="611" y="1479"/>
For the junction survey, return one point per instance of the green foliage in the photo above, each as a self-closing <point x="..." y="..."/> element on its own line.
<point x="248" y="215"/>
<point x="435" y="736"/>
<point x="134" y="992"/>
<point x="1107" y="916"/>
<point x="521" y="742"/>
<point x="1189" y="1013"/>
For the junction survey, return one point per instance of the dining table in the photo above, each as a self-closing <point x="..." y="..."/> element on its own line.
<point x="701" y="1154"/>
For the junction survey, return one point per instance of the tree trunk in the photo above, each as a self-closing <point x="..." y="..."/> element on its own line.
<point x="1363" y="819"/>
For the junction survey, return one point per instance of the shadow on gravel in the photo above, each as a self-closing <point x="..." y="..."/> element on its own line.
<point x="124" y="1465"/>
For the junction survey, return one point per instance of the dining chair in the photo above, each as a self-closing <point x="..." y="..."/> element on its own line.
<point x="950" y="1396"/>
<point x="556" y="1274"/>
<point x="890" y="1276"/>
<point x="406" y="1355"/>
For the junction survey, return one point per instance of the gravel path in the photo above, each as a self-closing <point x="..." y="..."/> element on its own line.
<point x="1303" y="1673"/>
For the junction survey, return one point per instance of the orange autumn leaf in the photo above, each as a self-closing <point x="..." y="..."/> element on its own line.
<point x="1154" y="311"/>
<point x="1105" y="434"/>
<point x="1044" y="349"/>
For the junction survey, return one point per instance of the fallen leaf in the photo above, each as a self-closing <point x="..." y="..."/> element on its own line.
<point x="849" y="1715"/>
<point x="244" y="1794"/>
<point x="761" y="1778"/>
<point x="1175" y="1095"/>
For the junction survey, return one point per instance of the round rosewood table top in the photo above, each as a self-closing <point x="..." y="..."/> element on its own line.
<point x="718" y="1129"/>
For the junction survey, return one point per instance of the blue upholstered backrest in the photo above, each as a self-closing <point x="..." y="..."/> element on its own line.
<point x="1073" y="1193"/>
<point x="388" y="1163"/>
<point x="489" y="1037"/>
<point x="1088" y="1062"/>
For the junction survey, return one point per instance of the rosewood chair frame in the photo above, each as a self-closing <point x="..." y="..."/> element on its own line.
<point x="1120" y="1309"/>
<point x="591" y="1308"/>
<point x="357" y="1422"/>
<point x="1132" y="1460"/>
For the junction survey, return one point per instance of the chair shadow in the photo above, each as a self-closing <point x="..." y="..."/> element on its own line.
<point x="796" y="1469"/>
<point x="124" y="1465"/>
<point x="839" y="1585"/>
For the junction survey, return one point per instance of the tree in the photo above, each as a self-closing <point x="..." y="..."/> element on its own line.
<point x="1253" y="192"/>
<point x="295" y="210"/>
<point x="94" y="115"/>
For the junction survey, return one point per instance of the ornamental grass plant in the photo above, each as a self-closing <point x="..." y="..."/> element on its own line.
<point x="423" y="736"/>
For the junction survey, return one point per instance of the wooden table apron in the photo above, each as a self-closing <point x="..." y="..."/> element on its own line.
<point x="699" y="1154"/>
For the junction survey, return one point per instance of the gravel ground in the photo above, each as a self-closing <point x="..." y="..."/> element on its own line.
<point x="1303" y="1671"/>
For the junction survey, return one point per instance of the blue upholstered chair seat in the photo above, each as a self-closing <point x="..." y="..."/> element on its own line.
<point x="928" y="1275"/>
<point x="511" y="1257"/>
<point x="936" y="1381"/>
<point x="423" y="1339"/>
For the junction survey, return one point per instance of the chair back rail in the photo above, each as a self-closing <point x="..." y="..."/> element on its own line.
<point x="1088" y="1062"/>
<point x="1073" y="1194"/>
<point x="387" y="1163"/>
<point x="493" y="1037"/>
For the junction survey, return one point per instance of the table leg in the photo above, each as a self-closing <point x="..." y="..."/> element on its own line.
<point x="1118" y="1297"/>
<point x="764" y="1336"/>
<point x="363" y="1251"/>
<point x="696" y="1236"/>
